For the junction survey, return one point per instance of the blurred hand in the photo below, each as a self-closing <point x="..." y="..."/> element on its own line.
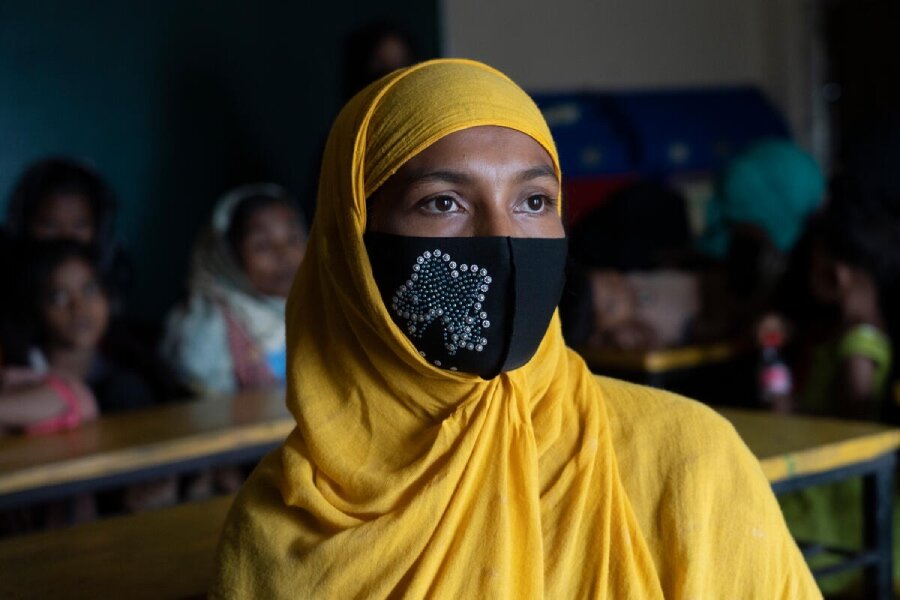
<point x="87" y="404"/>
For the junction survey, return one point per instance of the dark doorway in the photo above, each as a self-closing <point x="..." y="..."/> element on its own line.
<point x="862" y="41"/>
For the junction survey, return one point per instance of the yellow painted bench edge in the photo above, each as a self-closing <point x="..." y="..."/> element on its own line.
<point x="829" y="456"/>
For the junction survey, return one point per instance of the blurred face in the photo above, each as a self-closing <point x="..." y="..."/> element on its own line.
<point x="272" y="248"/>
<point x="75" y="309"/>
<point x="390" y="54"/>
<point x="481" y="181"/>
<point x="64" y="216"/>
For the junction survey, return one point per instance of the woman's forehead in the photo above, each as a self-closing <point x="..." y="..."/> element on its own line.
<point x="420" y="106"/>
<point x="489" y="151"/>
<point x="483" y="142"/>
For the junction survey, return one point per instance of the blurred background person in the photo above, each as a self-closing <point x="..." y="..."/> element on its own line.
<point x="228" y="335"/>
<point x="631" y="282"/>
<point x="63" y="310"/>
<point x="61" y="198"/>
<point x="763" y="200"/>
<point x="373" y="51"/>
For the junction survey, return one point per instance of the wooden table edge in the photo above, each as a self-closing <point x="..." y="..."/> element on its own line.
<point x="145" y="456"/>
<point x="829" y="456"/>
<point x="659" y="361"/>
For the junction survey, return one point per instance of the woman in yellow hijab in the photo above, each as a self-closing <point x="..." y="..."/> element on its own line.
<point x="448" y="444"/>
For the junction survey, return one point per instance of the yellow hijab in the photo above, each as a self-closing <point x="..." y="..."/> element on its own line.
<point x="405" y="480"/>
<point x="412" y="480"/>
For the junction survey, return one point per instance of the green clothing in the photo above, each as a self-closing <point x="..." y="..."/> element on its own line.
<point x="818" y="394"/>
<point x="833" y="515"/>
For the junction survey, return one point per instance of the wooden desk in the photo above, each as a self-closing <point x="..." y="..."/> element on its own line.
<point x="169" y="553"/>
<point x="713" y="373"/>
<point x="160" y="554"/>
<point x="800" y="452"/>
<point x="654" y="362"/>
<point x="794" y="446"/>
<point x="139" y="445"/>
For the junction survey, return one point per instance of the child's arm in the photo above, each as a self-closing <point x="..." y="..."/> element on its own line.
<point x="27" y="402"/>
<point x="27" y="405"/>
<point x="865" y="363"/>
<point x="859" y="390"/>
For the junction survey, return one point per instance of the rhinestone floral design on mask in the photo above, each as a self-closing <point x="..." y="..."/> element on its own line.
<point x="440" y="290"/>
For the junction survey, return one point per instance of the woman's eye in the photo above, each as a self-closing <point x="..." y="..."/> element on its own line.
<point x="535" y="203"/>
<point x="441" y="204"/>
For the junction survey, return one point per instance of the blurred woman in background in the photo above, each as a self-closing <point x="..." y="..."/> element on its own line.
<point x="229" y="334"/>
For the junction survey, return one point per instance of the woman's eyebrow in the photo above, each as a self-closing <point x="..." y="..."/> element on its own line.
<point x="445" y="176"/>
<point x="460" y="177"/>
<point x="535" y="173"/>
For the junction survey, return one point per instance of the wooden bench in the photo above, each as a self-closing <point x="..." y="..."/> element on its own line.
<point x="160" y="554"/>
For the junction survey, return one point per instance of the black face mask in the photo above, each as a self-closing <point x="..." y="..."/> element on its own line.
<point x="473" y="304"/>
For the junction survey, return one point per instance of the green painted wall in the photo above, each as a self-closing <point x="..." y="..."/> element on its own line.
<point x="177" y="100"/>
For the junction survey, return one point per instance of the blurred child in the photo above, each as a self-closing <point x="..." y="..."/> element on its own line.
<point x="229" y="335"/>
<point x="762" y="202"/>
<point x="60" y="198"/>
<point x="845" y="328"/>
<point x="854" y="276"/>
<point x="64" y="308"/>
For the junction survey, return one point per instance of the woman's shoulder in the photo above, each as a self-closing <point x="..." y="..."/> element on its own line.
<point x="698" y="492"/>
<point x="663" y="439"/>
<point x="640" y="414"/>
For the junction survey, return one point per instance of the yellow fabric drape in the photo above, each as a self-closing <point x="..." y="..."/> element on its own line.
<point x="402" y="479"/>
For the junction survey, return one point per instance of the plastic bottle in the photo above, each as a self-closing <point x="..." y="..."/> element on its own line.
<point x="775" y="381"/>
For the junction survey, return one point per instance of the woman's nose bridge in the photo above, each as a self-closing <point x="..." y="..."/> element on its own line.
<point x="496" y="217"/>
